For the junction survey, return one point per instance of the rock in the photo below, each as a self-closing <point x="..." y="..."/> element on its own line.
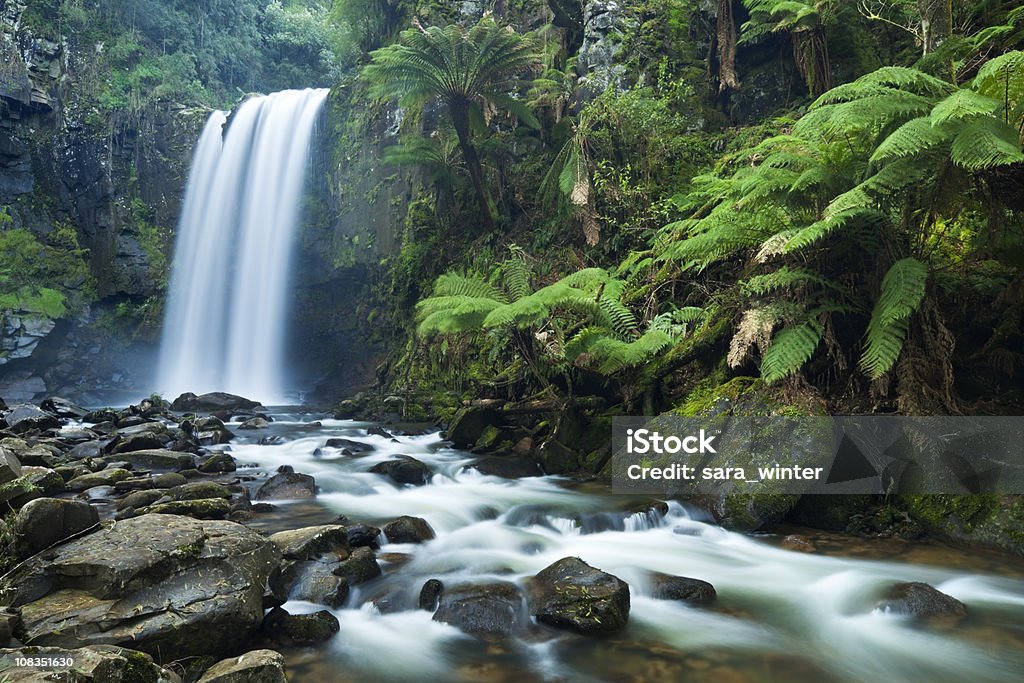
<point x="43" y="522"/>
<point x="47" y="480"/>
<point x="407" y="529"/>
<point x="61" y="407"/>
<point x="571" y="594"/>
<point x="681" y="588"/>
<point x="430" y="594"/>
<point x="9" y="621"/>
<point x="350" y="447"/>
<point x="921" y="600"/>
<point x="169" y="480"/>
<point x="311" y="542"/>
<point x="363" y="535"/>
<point x="24" y="418"/>
<point x="99" y="663"/>
<point x="506" y="467"/>
<point x="15" y="494"/>
<point x="255" y="423"/>
<point x="346" y="410"/>
<point x="287" y="485"/>
<point x="218" y="463"/>
<point x="302" y="629"/>
<point x="553" y="457"/>
<point x="141" y="442"/>
<point x="203" y="508"/>
<point x="214" y="401"/>
<point x="104" y="478"/>
<point x="10" y="466"/>
<point x="159" y="459"/>
<point x="359" y="567"/>
<point x="469" y="424"/>
<point x="140" y="499"/>
<point x="404" y="470"/>
<point x="101" y="415"/>
<point x="198" y="490"/>
<point x="171" y="586"/>
<point x="257" y="666"/>
<point x="483" y="608"/>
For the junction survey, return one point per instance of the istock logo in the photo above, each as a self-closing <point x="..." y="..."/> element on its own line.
<point x="643" y="441"/>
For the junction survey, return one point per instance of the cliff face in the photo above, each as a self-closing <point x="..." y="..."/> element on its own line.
<point x="99" y="193"/>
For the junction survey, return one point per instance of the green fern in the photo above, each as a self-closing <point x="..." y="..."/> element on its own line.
<point x="790" y="350"/>
<point x="986" y="143"/>
<point x="903" y="289"/>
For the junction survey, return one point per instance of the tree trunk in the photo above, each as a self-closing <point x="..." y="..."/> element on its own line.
<point x="460" y="119"/>
<point x="936" y="22"/>
<point x="725" y="36"/>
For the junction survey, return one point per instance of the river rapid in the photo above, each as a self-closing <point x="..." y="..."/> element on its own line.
<point x="780" y="615"/>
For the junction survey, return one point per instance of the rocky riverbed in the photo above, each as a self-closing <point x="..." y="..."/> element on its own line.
<point x="213" y="539"/>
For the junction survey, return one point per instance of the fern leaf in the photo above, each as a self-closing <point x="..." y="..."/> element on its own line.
<point x="790" y="350"/>
<point x="913" y="138"/>
<point x="456" y="284"/>
<point x="903" y="289"/>
<point x="963" y="104"/>
<point x="986" y="143"/>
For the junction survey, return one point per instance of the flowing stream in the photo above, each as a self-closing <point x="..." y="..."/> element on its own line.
<point x="780" y="615"/>
<point x="227" y="307"/>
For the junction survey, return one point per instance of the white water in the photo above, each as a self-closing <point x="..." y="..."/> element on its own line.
<point x="805" y="610"/>
<point x="227" y="309"/>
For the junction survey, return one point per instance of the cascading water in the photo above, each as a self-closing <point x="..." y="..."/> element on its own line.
<point x="225" y="323"/>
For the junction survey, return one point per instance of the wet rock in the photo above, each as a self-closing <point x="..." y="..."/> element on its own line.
<point x="203" y="508"/>
<point x="506" y="467"/>
<point x="272" y="440"/>
<point x="141" y="442"/>
<point x="311" y="542"/>
<point x="918" y="599"/>
<point x="213" y="401"/>
<point x="101" y="415"/>
<point x="159" y="459"/>
<point x="571" y="594"/>
<point x="255" y="423"/>
<point x="140" y="499"/>
<point x="350" y="447"/>
<point x="198" y="490"/>
<point x="554" y="457"/>
<point x="312" y="581"/>
<point x="404" y="470"/>
<point x="48" y="481"/>
<point x="218" y="463"/>
<point x="44" y="522"/>
<point x="430" y="594"/>
<point x="469" y="424"/>
<point x="169" y="480"/>
<point x="90" y="449"/>
<point x="798" y="543"/>
<point x="98" y="663"/>
<point x="23" y="418"/>
<point x="257" y="666"/>
<point x="103" y="478"/>
<point x="61" y="407"/>
<point x="171" y="586"/>
<point x="10" y="466"/>
<point x="360" y="566"/>
<point x="302" y="629"/>
<point x="482" y="608"/>
<point x="682" y="589"/>
<point x="287" y="485"/>
<point x="363" y="535"/>
<point x="408" y="529"/>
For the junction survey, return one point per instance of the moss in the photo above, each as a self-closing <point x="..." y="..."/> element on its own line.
<point x="710" y="393"/>
<point x="751" y="512"/>
<point x="974" y="518"/>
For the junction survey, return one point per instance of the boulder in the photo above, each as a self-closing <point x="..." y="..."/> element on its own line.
<point x="404" y="469"/>
<point x="218" y="463"/>
<point x="140" y="499"/>
<point x="255" y="423"/>
<point x="287" y="485"/>
<point x="24" y="418"/>
<point x="682" y="589"/>
<point x="257" y="666"/>
<point x="469" y="424"/>
<point x="47" y="480"/>
<point x="159" y="459"/>
<point x="570" y="594"/>
<point x="213" y="401"/>
<point x="430" y="594"/>
<point x="10" y="466"/>
<point x="141" y="442"/>
<point x="918" y="599"/>
<point x="102" y="478"/>
<point x="99" y="663"/>
<point x="302" y="629"/>
<point x="311" y="581"/>
<point x="360" y="566"/>
<point x="363" y="535"/>
<point x="349" y="447"/>
<point x="61" y="407"/>
<point x="171" y="586"/>
<point x="198" y="490"/>
<point x="483" y="608"/>
<point x="506" y="467"/>
<point x="44" y="522"/>
<point x="203" y="508"/>
<point x="408" y="529"/>
<point x="311" y="542"/>
<point x="554" y="457"/>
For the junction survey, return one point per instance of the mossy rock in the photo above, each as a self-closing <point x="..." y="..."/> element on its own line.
<point x="986" y="519"/>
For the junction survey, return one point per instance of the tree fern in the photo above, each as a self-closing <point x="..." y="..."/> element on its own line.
<point x="903" y="288"/>
<point x="986" y="143"/>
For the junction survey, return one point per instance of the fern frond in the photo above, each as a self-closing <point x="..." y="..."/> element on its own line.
<point x="783" y="278"/>
<point x="986" y="143"/>
<point x="903" y="289"/>
<point x="790" y="349"/>
<point x="913" y="138"/>
<point x="620" y="318"/>
<point x="516" y="276"/>
<point x="963" y="104"/>
<point x="453" y="314"/>
<point x="458" y="284"/>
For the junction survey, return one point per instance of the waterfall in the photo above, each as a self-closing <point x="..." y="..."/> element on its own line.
<point x="227" y="309"/>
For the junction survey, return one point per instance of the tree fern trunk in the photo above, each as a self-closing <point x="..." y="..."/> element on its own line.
<point x="460" y="119"/>
<point x="725" y="36"/>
